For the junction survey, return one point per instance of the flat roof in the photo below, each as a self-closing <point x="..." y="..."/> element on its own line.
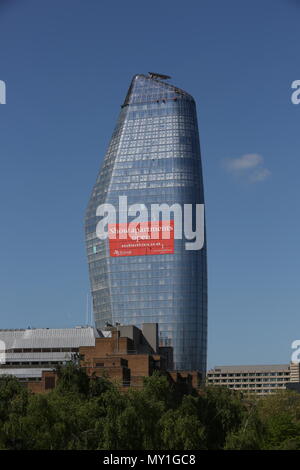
<point x="250" y="368"/>
<point x="24" y="373"/>
<point x="36" y="338"/>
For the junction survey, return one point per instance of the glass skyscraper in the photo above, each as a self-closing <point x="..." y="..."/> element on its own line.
<point x="153" y="157"/>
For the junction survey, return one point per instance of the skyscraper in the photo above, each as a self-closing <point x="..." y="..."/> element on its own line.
<point x="153" y="158"/>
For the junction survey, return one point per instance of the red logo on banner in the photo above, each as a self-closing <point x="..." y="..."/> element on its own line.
<point x="144" y="238"/>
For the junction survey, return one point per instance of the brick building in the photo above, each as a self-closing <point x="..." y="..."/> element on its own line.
<point x="122" y="354"/>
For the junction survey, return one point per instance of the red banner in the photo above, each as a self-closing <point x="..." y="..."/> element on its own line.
<point x="144" y="238"/>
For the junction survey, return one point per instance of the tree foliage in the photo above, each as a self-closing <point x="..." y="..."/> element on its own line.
<point x="92" y="413"/>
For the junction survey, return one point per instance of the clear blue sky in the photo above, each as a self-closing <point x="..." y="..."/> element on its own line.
<point x="67" y="65"/>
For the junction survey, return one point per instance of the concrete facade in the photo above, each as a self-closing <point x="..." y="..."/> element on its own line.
<point x="260" y="379"/>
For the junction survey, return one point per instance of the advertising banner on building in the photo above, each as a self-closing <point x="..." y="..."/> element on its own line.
<point x="143" y="238"/>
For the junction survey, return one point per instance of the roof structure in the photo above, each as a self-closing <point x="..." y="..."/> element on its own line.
<point x="25" y="373"/>
<point x="251" y="368"/>
<point x="49" y="338"/>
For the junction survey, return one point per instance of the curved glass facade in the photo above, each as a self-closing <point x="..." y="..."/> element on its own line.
<point x="153" y="157"/>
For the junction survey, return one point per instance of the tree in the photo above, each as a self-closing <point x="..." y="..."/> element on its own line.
<point x="182" y="429"/>
<point x="280" y="413"/>
<point x="250" y="435"/>
<point x="221" y="412"/>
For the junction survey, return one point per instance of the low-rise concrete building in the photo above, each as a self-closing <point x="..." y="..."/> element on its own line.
<point x="30" y="352"/>
<point x="260" y="379"/>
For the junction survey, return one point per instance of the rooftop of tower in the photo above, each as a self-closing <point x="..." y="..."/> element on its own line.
<point x="143" y="87"/>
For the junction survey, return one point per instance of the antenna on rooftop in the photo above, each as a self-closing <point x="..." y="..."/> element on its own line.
<point x="91" y="311"/>
<point x="87" y="310"/>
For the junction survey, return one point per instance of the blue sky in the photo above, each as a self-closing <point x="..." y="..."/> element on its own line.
<point x="67" y="65"/>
